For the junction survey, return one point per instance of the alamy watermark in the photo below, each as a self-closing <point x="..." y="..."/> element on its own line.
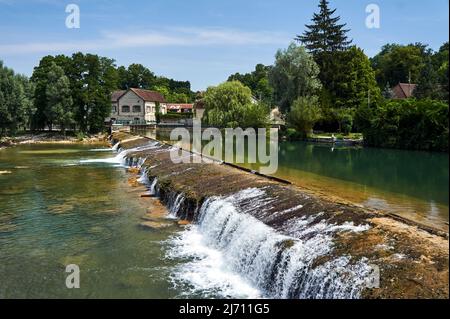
<point x="237" y="146"/>
<point x="373" y="20"/>
<point x="73" y="19"/>
<point x="73" y="279"/>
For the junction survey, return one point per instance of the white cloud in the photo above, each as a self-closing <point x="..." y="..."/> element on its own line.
<point x="160" y="38"/>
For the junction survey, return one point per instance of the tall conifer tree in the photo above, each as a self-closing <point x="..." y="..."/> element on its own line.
<point x="325" y="34"/>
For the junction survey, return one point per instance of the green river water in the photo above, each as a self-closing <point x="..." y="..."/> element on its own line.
<point x="412" y="184"/>
<point x="72" y="204"/>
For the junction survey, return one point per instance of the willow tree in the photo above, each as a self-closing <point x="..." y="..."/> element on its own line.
<point x="230" y="105"/>
<point x="294" y="75"/>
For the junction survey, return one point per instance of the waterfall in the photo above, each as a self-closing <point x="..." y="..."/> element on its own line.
<point x="175" y="204"/>
<point x="116" y="146"/>
<point x="121" y="157"/>
<point x="276" y="264"/>
<point x="153" y="190"/>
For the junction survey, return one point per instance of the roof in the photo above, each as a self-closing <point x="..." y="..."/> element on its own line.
<point x="149" y="96"/>
<point x="146" y="95"/>
<point x="404" y="90"/>
<point x="178" y="106"/>
<point x="116" y="95"/>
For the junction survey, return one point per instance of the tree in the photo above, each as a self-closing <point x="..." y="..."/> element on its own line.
<point x="354" y="80"/>
<point x="230" y="105"/>
<point x="294" y="75"/>
<point x="304" y="114"/>
<point x="136" y="76"/>
<point x="408" y="124"/>
<point x="428" y="84"/>
<point x="257" y="81"/>
<point x="15" y="101"/>
<point x="440" y="62"/>
<point x="40" y="79"/>
<point x="399" y="63"/>
<point x="345" y="120"/>
<point x="325" y="34"/>
<point x="59" y="108"/>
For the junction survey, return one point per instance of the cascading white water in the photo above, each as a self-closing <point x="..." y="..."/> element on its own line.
<point x="277" y="265"/>
<point x="153" y="190"/>
<point x="116" y="146"/>
<point x="120" y="158"/>
<point x="175" y="205"/>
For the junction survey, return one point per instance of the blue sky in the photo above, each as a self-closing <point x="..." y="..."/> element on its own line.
<point x="202" y="41"/>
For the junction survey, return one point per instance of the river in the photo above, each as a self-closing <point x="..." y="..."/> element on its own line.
<point x="73" y="204"/>
<point x="413" y="184"/>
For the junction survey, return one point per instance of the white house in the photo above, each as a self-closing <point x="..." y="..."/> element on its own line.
<point x="136" y="106"/>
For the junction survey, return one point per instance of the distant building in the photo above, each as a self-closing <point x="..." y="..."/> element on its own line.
<point x="403" y="91"/>
<point x="180" y="108"/>
<point x="136" y="106"/>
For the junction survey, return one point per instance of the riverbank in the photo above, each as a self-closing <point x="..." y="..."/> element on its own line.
<point x="50" y="138"/>
<point x="413" y="260"/>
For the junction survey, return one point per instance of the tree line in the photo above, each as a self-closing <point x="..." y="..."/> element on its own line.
<point x="324" y="82"/>
<point x="74" y="93"/>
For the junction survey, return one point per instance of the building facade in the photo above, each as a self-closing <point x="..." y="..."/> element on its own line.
<point x="136" y="106"/>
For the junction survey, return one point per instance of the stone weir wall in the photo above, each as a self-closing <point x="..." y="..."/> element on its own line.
<point x="290" y="242"/>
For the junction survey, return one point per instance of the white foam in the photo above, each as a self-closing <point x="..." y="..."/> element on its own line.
<point x="228" y="244"/>
<point x="206" y="273"/>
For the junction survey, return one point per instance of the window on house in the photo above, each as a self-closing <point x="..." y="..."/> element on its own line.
<point x="114" y="109"/>
<point x="136" y="109"/>
<point x="126" y="109"/>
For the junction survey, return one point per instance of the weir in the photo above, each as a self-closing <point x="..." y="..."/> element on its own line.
<point x="288" y="242"/>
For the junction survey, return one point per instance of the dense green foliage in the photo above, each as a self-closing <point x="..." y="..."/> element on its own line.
<point x="409" y="124"/>
<point x="74" y="92"/>
<point x="257" y="81"/>
<point x="413" y="63"/>
<point x="230" y="105"/>
<point x="59" y="104"/>
<point x="305" y="112"/>
<point x="91" y="80"/>
<point x="16" y="105"/>
<point x="294" y="75"/>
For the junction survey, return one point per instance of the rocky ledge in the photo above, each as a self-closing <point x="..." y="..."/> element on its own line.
<point x="412" y="259"/>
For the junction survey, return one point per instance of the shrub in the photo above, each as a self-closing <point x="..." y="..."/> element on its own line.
<point x="305" y="112"/>
<point x="408" y="124"/>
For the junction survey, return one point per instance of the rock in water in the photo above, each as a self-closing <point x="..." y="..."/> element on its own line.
<point x="154" y="225"/>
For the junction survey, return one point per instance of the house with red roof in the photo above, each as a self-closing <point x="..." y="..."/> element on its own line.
<point x="403" y="91"/>
<point x="180" y="107"/>
<point x="136" y="106"/>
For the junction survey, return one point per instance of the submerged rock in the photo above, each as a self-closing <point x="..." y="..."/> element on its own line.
<point x="155" y="225"/>
<point x="184" y="223"/>
<point x="133" y="170"/>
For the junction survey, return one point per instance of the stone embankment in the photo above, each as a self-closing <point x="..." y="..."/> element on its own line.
<point x="324" y="234"/>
